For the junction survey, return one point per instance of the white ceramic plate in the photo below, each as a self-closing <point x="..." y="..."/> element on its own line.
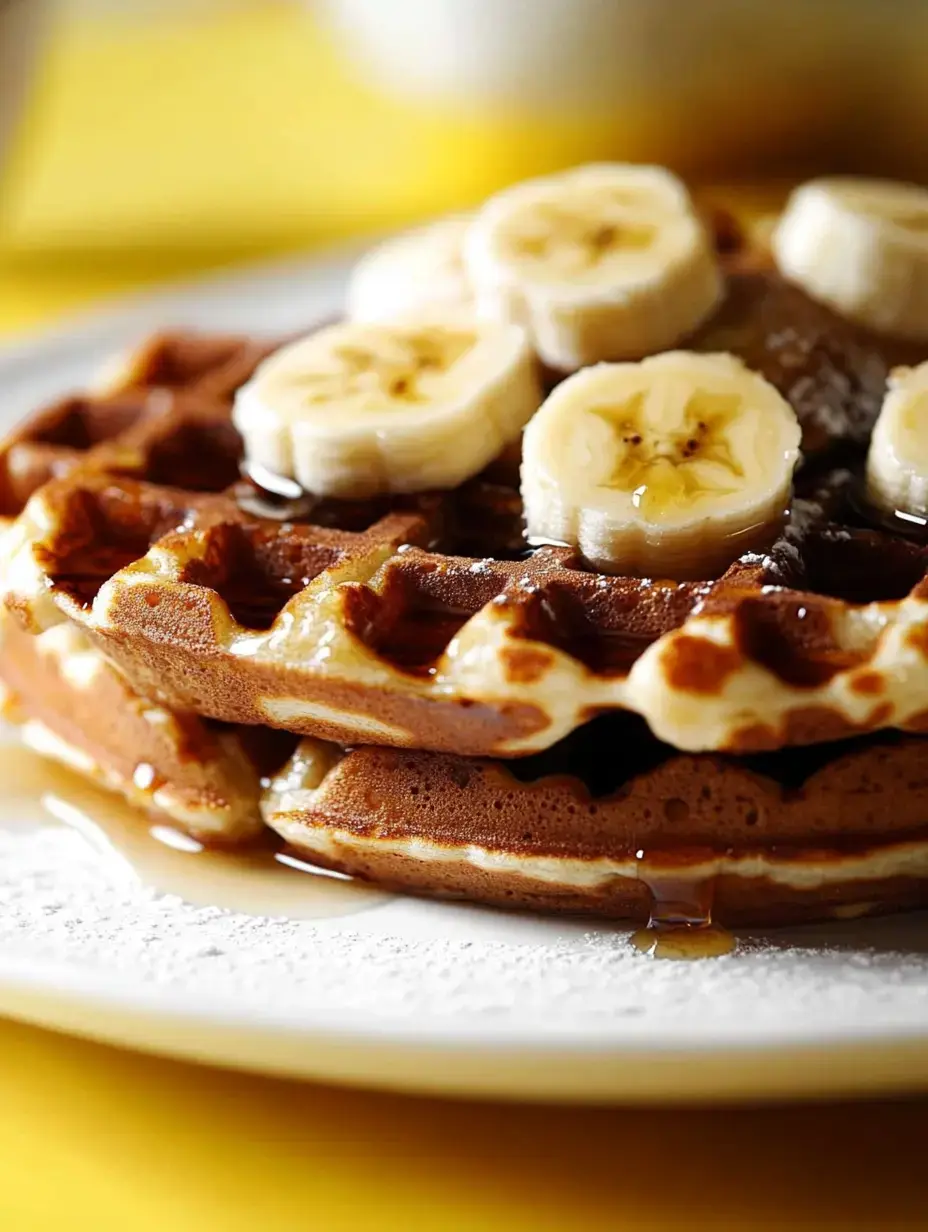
<point x="417" y="995"/>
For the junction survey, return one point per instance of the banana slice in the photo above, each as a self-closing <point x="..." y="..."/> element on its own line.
<point x="897" y="463"/>
<point x="860" y="246"/>
<point x="670" y="468"/>
<point x="604" y="262"/>
<point x="357" y="410"/>
<point x="421" y="269"/>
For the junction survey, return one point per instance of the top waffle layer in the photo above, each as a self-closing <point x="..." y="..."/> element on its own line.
<point x="424" y="621"/>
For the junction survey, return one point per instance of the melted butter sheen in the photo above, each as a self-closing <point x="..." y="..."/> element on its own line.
<point x="259" y="880"/>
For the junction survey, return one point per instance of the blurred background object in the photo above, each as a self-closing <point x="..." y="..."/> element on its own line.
<point x="21" y="26"/>
<point x="713" y="85"/>
<point x="165" y="136"/>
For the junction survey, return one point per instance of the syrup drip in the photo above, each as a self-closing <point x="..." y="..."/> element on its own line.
<point x="264" y="880"/>
<point x="680" y="927"/>
<point x="260" y="880"/>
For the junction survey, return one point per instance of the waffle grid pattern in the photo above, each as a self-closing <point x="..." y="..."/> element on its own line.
<point x="359" y="622"/>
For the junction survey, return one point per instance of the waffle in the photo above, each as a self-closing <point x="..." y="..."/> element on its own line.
<point x="166" y="411"/>
<point x="163" y="412"/>
<point x="823" y="832"/>
<point x="423" y="622"/>
<point x="831" y="831"/>
<point x="75" y="708"/>
<point x="184" y="619"/>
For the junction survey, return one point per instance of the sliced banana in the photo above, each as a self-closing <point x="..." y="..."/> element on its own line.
<point x="604" y="262"/>
<point x="860" y="246"/>
<point x="421" y="269"/>
<point x="358" y="410"/>
<point x="897" y="463"/>
<point x="669" y="468"/>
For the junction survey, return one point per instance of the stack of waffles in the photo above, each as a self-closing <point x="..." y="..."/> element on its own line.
<point x="588" y="551"/>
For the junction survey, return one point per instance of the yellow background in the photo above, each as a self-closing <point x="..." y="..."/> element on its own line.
<point x="149" y="154"/>
<point x="153" y="150"/>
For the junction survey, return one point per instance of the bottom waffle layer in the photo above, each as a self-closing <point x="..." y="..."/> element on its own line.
<point x="608" y="823"/>
<point x="591" y="827"/>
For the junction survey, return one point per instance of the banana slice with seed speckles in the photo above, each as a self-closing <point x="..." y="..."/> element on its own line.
<point x="421" y="269"/>
<point x="671" y="467"/>
<point x="604" y="262"/>
<point x="860" y="246"/>
<point x="357" y="410"/>
<point x="897" y="463"/>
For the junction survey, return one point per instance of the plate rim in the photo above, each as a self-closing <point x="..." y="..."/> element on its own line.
<point x="384" y="1060"/>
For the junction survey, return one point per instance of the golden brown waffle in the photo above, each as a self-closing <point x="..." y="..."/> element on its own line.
<point x="163" y="413"/>
<point x="74" y="707"/>
<point x="611" y="823"/>
<point x="425" y="623"/>
<point x="167" y="413"/>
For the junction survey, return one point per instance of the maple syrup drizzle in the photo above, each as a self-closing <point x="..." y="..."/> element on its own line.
<point x="680" y="927"/>
<point x="264" y="880"/>
<point x="259" y="880"/>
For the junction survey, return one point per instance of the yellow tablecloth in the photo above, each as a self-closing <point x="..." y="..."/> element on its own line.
<point x="154" y="153"/>
<point x="97" y="1139"/>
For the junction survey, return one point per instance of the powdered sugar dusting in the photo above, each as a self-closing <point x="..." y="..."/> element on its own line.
<point x="430" y="968"/>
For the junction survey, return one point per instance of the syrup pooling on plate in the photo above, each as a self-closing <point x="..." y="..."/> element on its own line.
<point x="681" y="925"/>
<point x="683" y="942"/>
<point x="262" y="880"/>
